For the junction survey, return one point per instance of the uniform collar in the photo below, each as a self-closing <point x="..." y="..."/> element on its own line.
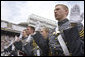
<point x="62" y="22"/>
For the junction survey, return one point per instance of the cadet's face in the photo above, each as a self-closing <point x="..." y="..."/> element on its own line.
<point x="24" y="33"/>
<point x="28" y="30"/>
<point x="43" y="32"/>
<point x="59" y="12"/>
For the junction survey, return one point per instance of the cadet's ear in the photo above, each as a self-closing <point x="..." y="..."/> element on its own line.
<point x="66" y="12"/>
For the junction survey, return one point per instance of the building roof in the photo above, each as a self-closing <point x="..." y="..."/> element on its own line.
<point x="7" y="26"/>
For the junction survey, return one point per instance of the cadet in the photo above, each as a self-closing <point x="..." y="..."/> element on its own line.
<point x="61" y="11"/>
<point x="22" y="45"/>
<point x="35" y="50"/>
<point x="41" y="39"/>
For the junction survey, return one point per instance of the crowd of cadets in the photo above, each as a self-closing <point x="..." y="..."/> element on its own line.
<point x="35" y="42"/>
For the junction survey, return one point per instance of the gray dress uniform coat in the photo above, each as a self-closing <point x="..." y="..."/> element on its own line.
<point x="42" y="43"/>
<point x="55" y="46"/>
<point x="53" y="41"/>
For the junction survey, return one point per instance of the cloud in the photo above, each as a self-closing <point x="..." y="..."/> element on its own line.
<point x="9" y="11"/>
<point x="19" y="11"/>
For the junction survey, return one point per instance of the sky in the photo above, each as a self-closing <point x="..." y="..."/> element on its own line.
<point x="19" y="11"/>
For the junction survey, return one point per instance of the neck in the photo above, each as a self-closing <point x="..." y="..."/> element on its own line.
<point x="45" y="37"/>
<point x="62" y="22"/>
<point x="61" y="19"/>
<point x="31" y="33"/>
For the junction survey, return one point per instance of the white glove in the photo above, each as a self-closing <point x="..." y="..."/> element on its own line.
<point x="17" y="39"/>
<point x="13" y="47"/>
<point x="38" y="26"/>
<point x="20" y="37"/>
<point x="75" y="14"/>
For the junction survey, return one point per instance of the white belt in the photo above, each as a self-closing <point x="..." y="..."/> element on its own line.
<point x="63" y="45"/>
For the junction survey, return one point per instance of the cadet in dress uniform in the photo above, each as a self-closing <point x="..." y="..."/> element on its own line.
<point x="41" y="40"/>
<point x="61" y="11"/>
<point x="22" y="44"/>
<point x="36" y="51"/>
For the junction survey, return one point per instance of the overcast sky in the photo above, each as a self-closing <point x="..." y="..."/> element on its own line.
<point x="19" y="11"/>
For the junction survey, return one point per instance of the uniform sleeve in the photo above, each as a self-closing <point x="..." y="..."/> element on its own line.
<point x="18" y="45"/>
<point x="73" y="41"/>
<point x="81" y="31"/>
<point x="40" y="41"/>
